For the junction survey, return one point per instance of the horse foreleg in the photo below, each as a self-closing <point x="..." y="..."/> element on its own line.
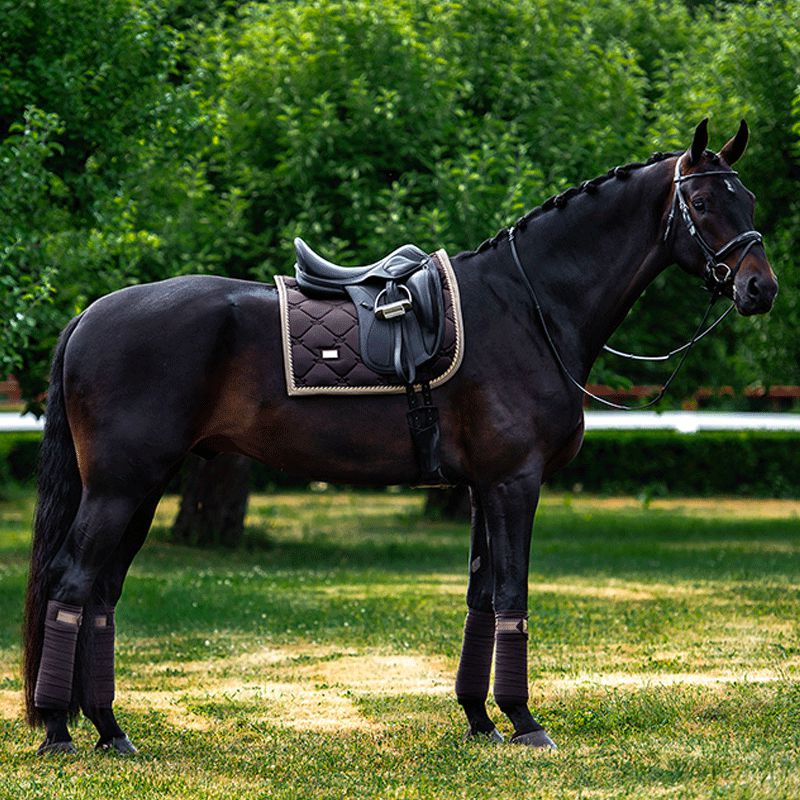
<point x="474" y="667"/>
<point x="509" y="508"/>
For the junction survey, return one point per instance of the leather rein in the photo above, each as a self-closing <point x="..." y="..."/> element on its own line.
<point x="717" y="276"/>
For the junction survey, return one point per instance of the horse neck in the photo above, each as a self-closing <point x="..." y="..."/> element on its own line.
<point x="592" y="259"/>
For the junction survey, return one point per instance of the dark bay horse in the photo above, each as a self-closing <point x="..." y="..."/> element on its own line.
<point x="147" y="374"/>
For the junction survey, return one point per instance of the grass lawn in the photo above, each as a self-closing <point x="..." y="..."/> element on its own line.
<point x="319" y="660"/>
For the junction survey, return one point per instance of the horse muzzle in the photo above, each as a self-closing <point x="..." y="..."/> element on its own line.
<point x="755" y="292"/>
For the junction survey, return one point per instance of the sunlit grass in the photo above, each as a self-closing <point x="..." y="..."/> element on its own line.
<point x="318" y="660"/>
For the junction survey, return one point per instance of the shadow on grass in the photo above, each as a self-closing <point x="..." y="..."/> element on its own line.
<point x="398" y="580"/>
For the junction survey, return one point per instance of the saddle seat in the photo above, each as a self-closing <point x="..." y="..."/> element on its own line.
<point x="316" y="274"/>
<point x="398" y="300"/>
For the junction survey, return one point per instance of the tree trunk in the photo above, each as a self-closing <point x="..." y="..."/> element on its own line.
<point x="213" y="501"/>
<point x="452" y="504"/>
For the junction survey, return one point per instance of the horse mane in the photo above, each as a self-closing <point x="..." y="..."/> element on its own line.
<point x="587" y="187"/>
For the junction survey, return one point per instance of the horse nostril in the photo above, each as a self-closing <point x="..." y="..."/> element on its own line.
<point x="753" y="289"/>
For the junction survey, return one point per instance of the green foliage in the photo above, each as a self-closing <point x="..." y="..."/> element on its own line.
<point x="27" y="215"/>
<point x="19" y="454"/>
<point x="141" y="140"/>
<point x="745" y="62"/>
<point x="756" y="463"/>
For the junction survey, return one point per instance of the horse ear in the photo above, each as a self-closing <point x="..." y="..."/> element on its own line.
<point x="733" y="149"/>
<point x="700" y="142"/>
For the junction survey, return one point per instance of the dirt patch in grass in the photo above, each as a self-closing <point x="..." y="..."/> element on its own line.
<point x="650" y="680"/>
<point x="386" y="674"/>
<point x="722" y="507"/>
<point x="310" y="687"/>
<point x="11" y="705"/>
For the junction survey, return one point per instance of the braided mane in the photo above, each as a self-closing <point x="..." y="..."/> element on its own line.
<point x="587" y="187"/>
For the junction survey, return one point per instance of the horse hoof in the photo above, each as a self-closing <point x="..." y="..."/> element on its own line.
<point x="47" y="748"/>
<point x="538" y="739"/>
<point x="493" y="735"/>
<point x="119" y="744"/>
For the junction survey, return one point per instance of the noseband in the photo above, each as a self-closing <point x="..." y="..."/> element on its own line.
<point x="717" y="274"/>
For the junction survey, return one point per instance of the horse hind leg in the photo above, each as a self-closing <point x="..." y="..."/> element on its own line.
<point x="96" y="682"/>
<point x="94" y="535"/>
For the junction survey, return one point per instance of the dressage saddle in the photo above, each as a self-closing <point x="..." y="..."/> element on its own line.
<point x="399" y="301"/>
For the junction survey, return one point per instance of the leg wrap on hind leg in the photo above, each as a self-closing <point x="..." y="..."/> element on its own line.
<point x="474" y="668"/>
<point x="102" y="667"/>
<point x="54" y="680"/>
<point x="511" y="658"/>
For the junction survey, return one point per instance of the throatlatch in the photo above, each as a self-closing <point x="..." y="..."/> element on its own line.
<point x="54" y="681"/>
<point x="423" y="425"/>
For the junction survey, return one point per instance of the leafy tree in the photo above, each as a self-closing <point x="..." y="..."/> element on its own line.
<point x="142" y="140"/>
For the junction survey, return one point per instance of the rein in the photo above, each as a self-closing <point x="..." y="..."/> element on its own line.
<point x="717" y="276"/>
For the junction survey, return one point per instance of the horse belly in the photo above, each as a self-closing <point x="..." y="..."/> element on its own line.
<point x="360" y="439"/>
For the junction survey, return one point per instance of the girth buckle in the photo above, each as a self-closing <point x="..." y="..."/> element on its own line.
<point x="394" y="309"/>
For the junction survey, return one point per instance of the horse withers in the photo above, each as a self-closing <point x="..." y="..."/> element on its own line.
<point x="150" y="373"/>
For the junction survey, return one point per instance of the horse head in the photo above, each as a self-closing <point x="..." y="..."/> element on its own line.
<point x="717" y="239"/>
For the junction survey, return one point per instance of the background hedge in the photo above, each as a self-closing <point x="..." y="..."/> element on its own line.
<point x="760" y="463"/>
<point x="649" y="463"/>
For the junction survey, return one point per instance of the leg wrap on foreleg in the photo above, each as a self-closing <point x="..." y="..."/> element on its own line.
<point x="54" y="680"/>
<point x="511" y="658"/>
<point x="102" y="668"/>
<point x="475" y="666"/>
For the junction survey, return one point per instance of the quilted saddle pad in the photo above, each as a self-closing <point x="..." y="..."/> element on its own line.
<point x="321" y="351"/>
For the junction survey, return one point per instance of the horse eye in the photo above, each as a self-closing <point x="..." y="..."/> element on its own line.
<point x="699" y="204"/>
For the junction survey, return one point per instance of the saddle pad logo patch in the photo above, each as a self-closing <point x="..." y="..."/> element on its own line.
<point x="321" y="349"/>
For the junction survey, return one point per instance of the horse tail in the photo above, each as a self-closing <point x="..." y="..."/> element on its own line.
<point x="57" y="504"/>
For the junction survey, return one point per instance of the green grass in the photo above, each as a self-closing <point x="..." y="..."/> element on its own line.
<point x="318" y="660"/>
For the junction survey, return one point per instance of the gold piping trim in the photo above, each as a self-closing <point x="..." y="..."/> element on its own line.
<point x="286" y="339"/>
<point x="293" y="390"/>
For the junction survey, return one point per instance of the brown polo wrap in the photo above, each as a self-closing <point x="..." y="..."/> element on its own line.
<point x="511" y="658"/>
<point x="54" y="680"/>
<point x="102" y="678"/>
<point x="474" y="668"/>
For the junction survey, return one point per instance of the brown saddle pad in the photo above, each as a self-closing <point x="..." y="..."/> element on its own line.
<point x="321" y="351"/>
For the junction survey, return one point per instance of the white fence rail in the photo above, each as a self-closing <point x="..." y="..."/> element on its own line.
<point x="691" y="421"/>
<point x="680" y="421"/>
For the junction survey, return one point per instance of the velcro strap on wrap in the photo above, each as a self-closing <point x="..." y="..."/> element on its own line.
<point x="511" y="658"/>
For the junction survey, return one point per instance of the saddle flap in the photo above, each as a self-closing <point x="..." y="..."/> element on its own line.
<point x="399" y="344"/>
